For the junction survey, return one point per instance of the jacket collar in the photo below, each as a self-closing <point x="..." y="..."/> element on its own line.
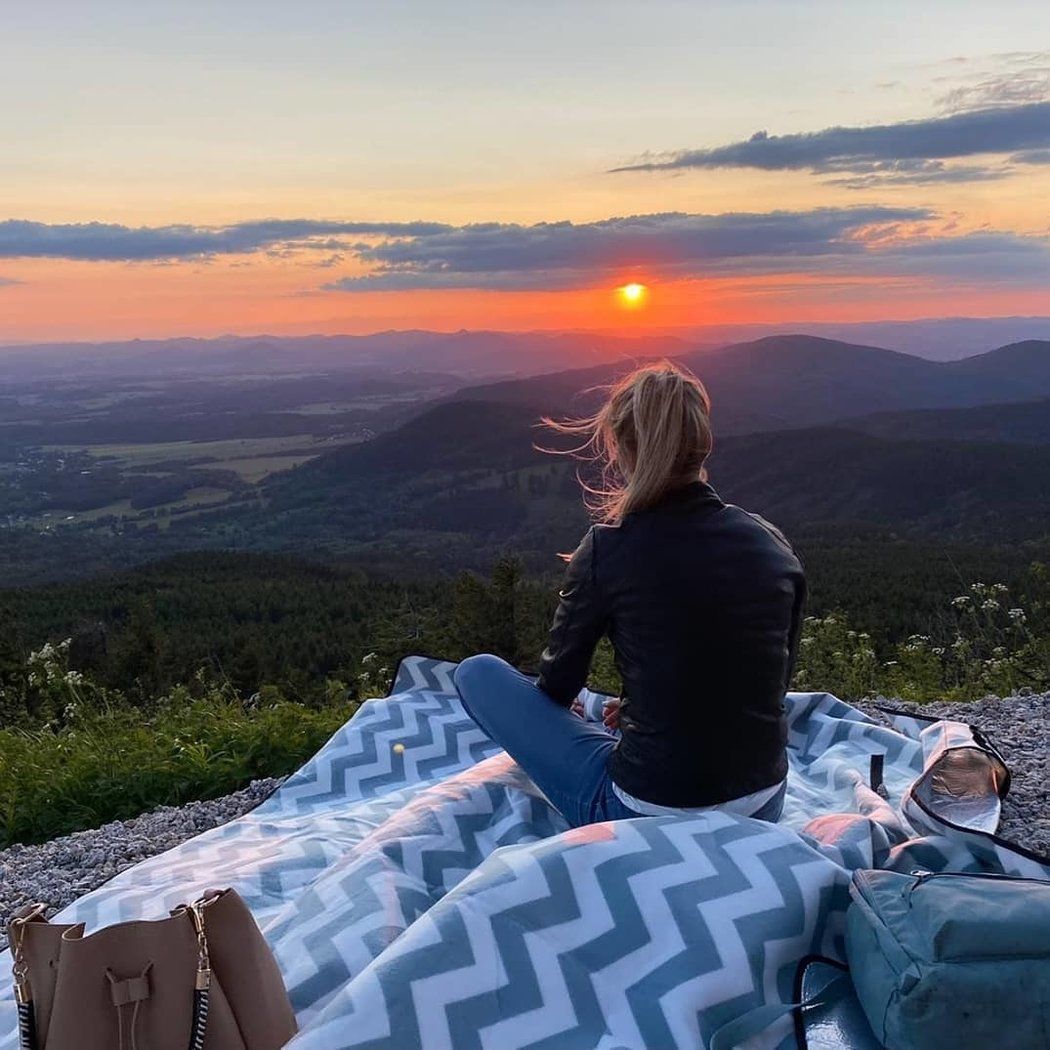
<point x="695" y="492"/>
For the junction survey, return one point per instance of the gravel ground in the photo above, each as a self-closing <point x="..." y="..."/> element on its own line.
<point x="64" y="869"/>
<point x="61" y="870"/>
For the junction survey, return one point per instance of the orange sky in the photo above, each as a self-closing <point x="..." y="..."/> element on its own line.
<point x="74" y="301"/>
<point x="209" y="118"/>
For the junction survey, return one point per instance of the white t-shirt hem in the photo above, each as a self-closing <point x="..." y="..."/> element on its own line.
<point x="745" y="806"/>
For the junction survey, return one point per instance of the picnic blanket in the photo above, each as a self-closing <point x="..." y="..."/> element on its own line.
<point x="419" y="891"/>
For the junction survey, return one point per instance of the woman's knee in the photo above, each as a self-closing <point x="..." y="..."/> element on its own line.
<point x="478" y="670"/>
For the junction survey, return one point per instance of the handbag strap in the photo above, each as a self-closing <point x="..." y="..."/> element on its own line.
<point x="20" y="971"/>
<point x="202" y="984"/>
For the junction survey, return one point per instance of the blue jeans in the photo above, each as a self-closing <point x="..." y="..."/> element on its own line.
<point x="566" y="757"/>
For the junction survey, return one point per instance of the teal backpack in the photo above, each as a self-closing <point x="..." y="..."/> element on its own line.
<point x="938" y="961"/>
<point x="949" y="961"/>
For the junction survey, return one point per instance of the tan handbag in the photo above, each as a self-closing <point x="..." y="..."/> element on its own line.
<point x="201" y="979"/>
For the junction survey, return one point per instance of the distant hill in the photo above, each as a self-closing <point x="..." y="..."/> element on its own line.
<point x="935" y="338"/>
<point x="449" y="489"/>
<point x="470" y="354"/>
<point x="1023" y="422"/>
<point x="801" y="380"/>
<point x="810" y="431"/>
<point x="1021" y="370"/>
<point x="460" y="435"/>
<point x="948" y="488"/>
<point x="464" y="476"/>
<point x="475" y="355"/>
<point x="466" y="470"/>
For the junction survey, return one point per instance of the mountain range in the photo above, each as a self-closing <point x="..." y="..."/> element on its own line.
<point x="477" y="354"/>
<point x="801" y="380"/>
<point x="827" y="439"/>
<point x="808" y="432"/>
<point x="470" y="354"/>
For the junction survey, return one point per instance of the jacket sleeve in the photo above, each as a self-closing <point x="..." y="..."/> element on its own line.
<point x="796" y="629"/>
<point x="579" y="623"/>
<point x="801" y="591"/>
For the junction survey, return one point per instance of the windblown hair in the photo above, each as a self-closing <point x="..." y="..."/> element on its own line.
<point x="652" y="435"/>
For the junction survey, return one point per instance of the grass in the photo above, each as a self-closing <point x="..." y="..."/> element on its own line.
<point x="198" y="498"/>
<point x="142" y="456"/>
<point x="116" y="763"/>
<point x="254" y="468"/>
<point x="252" y="459"/>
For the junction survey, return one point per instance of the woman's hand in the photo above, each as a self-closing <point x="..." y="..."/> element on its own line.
<point x="577" y="708"/>
<point x="611" y="714"/>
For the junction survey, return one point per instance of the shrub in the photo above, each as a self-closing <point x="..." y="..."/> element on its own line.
<point x="833" y="658"/>
<point x="116" y="761"/>
<point x="985" y="645"/>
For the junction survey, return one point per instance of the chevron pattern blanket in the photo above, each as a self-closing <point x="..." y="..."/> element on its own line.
<point x="419" y="892"/>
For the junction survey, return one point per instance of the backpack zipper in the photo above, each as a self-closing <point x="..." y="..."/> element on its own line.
<point x="922" y="875"/>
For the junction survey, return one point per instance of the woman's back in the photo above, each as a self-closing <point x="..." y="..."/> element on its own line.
<point x="704" y="607"/>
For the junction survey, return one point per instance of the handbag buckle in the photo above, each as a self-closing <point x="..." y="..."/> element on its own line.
<point x="20" y="969"/>
<point x="203" y="981"/>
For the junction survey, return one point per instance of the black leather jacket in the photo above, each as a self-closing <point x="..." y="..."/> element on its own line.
<point x="702" y="602"/>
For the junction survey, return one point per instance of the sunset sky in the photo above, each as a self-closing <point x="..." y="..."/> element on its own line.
<point x="199" y="168"/>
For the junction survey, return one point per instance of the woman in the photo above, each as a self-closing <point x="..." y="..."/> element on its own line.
<point x="702" y="604"/>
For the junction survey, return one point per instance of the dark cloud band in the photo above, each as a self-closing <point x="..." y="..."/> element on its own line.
<point x="112" y="242"/>
<point x="913" y="150"/>
<point x="825" y="241"/>
<point x="565" y="254"/>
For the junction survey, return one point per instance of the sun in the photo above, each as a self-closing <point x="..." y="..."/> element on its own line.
<point x="633" y="295"/>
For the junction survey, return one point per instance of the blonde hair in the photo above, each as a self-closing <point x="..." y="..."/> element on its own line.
<point x="652" y="435"/>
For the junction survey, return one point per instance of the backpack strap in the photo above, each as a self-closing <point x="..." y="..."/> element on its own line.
<point x="748" y="1025"/>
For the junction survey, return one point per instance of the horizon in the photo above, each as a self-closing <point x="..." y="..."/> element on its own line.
<point x="193" y="173"/>
<point x="937" y="339"/>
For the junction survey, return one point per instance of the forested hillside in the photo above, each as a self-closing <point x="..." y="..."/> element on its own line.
<point x="1025" y="422"/>
<point x="253" y="620"/>
<point x="466" y="476"/>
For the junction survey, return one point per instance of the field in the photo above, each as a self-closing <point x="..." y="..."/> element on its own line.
<point x="134" y="452"/>
<point x="251" y="459"/>
<point x="247" y="461"/>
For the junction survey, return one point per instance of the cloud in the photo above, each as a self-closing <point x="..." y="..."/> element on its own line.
<point x="1033" y="156"/>
<point x="1018" y="78"/>
<point x="566" y="254"/>
<point x="985" y="256"/>
<point x="920" y="172"/>
<point x="6" y="281"/>
<point x="112" y="242"/>
<point x="912" y="149"/>
<point x="825" y="241"/>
